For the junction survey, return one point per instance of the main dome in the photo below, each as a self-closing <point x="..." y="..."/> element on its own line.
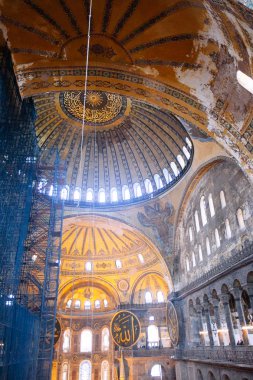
<point x="117" y="149"/>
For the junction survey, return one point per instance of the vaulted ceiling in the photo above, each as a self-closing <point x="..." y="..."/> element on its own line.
<point x="182" y="56"/>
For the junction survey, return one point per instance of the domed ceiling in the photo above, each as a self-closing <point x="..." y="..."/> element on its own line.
<point x="180" y="55"/>
<point x="116" y="148"/>
<point x="95" y="245"/>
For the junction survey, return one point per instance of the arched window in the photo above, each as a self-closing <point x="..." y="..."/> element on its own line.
<point x="86" y="341"/>
<point x="85" y="370"/>
<point x="193" y="259"/>
<point x="104" y="370"/>
<point x="97" y="304"/>
<point x="148" y="186"/>
<point x="114" y="194"/>
<point x="240" y="219"/>
<point x="211" y="206"/>
<point x="68" y="305"/>
<point x="141" y="258"/>
<point x="245" y="81"/>
<point x="196" y="216"/>
<point x="156" y="371"/>
<point x="65" y="371"/>
<point x="101" y="195"/>
<point x="89" y="195"/>
<point x="181" y="161"/>
<point x="222" y="199"/>
<point x="125" y="193"/>
<point x="51" y="191"/>
<point x="203" y="210"/>
<point x="137" y="190"/>
<point x="174" y="168"/>
<point x="167" y="176"/>
<point x="77" y="304"/>
<point x="153" y="336"/>
<point x="217" y="238"/>
<point x="186" y="152"/>
<point x="188" y="142"/>
<point x="190" y="234"/>
<point x="105" y="339"/>
<point x="64" y="194"/>
<point x="88" y="266"/>
<point x="118" y="264"/>
<point x="148" y="297"/>
<point x="77" y="195"/>
<point x="160" y="296"/>
<point x="87" y="305"/>
<point x="208" y="248"/>
<point x="200" y="253"/>
<point x="228" y="229"/>
<point x="66" y="341"/>
<point x="105" y="303"/>
<point x="187" y="264"/>
<point x="158" y="181"/>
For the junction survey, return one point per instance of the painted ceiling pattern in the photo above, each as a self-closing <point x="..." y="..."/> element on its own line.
<point x="56" y="30"/>
<point x="192" y="46"/>
<point x="100" y="243"/>
<point x="125" y="141"/>
<point x="95" y="108"/>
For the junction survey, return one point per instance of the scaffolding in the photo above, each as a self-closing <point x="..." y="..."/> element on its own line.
<point x="30" y="238"/>
<point x="41" y="266"/>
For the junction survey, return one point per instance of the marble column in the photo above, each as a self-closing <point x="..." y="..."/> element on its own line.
<point x="208" y="322"/>
<point x="160" y="338"/>
<point x="216" y="303"/>
<point x="241" y="317"/>
<point x="200" y="324"/>
<point x="249" y="289"/>
<point x="225" y="301"/>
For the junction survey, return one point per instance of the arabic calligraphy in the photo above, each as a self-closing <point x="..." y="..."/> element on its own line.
<point x="57" y="331"/>
<point x="172" y="323"/>
<point x="100" y="107"/>
<point x="125" y="329"/>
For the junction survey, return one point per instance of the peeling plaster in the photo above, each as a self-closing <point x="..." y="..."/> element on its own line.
<point x="147" y="70"/>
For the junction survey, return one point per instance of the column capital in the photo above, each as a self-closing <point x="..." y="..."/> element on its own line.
<point x="224" y="297"/>
<point x="237" y="292"/>
<point x="198" y="308"/>
<point x="215" y="302"/>
<point x="206" y="306"/>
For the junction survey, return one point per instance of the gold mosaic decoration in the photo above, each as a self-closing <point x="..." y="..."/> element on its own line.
<point x="100" y="107"/>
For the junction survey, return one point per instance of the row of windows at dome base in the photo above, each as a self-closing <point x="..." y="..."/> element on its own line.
<point x="87" y="304"/>
<point x="149" y="186"/>
<point x="97" y="303"/>
<point x="85" y="370"/>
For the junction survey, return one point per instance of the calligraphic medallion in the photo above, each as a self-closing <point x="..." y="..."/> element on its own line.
<point x="57" y="331"/>
<point x="172" y="323"/>
<point x="125" y="329"/>
<point x="100" y="107"/>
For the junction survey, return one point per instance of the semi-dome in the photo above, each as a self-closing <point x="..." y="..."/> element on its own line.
<point x="103" y="246"/>
<point x="117" y="149"/>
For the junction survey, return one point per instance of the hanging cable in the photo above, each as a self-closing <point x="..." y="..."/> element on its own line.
<point x="81" y="160"/>
<point x="86" y="77"/>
